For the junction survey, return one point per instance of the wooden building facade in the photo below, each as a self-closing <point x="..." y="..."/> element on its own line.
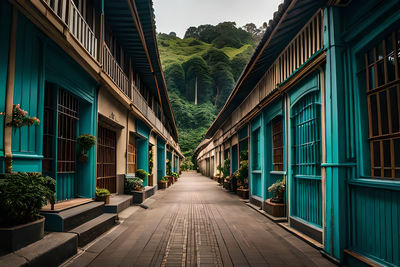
<point x="84" y="67"/>
<point x="318" y="105"/>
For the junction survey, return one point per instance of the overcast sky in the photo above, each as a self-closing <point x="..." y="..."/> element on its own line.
<point x="178" y="15"/>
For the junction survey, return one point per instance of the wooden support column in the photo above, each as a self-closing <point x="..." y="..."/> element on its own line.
<point x="10" y="91"/>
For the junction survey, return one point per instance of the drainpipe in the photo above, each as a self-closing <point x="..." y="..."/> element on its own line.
<point x="10" y="92"/>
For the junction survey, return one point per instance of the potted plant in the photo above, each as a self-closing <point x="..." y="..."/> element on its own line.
<point x="275" y="206"/>
<point x="243" y="176"/>
<point x="17" y="119"/>
<point x="163" y="183"/>
<point x="86" y="142"/>
<point x="141" y="174"/>
<point x="22" y="195"/>
<point x="218" y="177"/>
<point x="135" y="186"/>
<point x="175" y="175"/>
<point x="102" y="194"/>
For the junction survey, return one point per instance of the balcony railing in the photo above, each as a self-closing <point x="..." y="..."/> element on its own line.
<point x="70" y="15"/>
<point x="115" y="72"/>
<point x="141" y="104"/>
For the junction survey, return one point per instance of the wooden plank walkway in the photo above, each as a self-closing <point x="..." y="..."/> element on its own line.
<point x="195" y="223"/>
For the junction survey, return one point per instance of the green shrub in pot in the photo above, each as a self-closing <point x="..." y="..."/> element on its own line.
<point x="22" y="195"/>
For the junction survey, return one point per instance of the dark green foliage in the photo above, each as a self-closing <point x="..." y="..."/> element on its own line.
<point x="221" y="35"/>
<point x="86" y="142"/>
<point x="214" y="56"/>
<point x="244" y="155"/>
<point x="102" y="192"/>
<point x="22" y="195"/>
<point x="141" y="174"/>
<point x="168" y="171"/>
<point x="132" y="184"/>
<point x="196" y="70"/>
<point x="227" y="168"/>
<point x="223" y="83"/>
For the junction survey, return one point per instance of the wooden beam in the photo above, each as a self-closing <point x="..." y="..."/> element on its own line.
<point x="10" y="91"/>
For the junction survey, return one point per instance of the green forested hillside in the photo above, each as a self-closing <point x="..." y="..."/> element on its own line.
<point x="209" y="58"/>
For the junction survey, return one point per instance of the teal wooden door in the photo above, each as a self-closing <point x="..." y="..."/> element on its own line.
<point x="60" y="128"/>
<point x="160" y="160"/>
<point x="306" y="197"/>
<point x="67" y="120"/>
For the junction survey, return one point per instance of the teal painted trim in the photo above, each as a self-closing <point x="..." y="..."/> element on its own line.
<point x="27" y="156"/>
<point x="27" y="165"/>
<point x="306" y="86"/>
<point x="142" y="129"/>
<point x="307" y="177"/>
<point x="374" y="183"/>
<point x="256" y="123"/>
<point x="273" y="110"/>
<point x="278" y="172"/>
<point x="339" y="165"/>
<point x="317" y="53"/>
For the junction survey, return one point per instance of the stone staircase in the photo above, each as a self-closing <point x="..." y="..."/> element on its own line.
<point x="88" y="221"/>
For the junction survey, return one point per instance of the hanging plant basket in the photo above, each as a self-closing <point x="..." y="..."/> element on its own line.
<point x="83" y="158"/>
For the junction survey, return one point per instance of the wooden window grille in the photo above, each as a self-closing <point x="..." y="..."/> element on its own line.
<point x="48" y="131"/>
<point x="307" y="135"/>
<point x="277" y="144"/>
<point x="382" y="69"/>
<point x="67" y="131"/>
<point x="132" y="154"/>
<point x="106" y="159"/>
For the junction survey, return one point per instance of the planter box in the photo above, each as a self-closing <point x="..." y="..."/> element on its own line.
<point x="16" y="237"/>
<point x="140" y="196"/>
<point x="274" y="209"/>
<point x="162" y="185"/>
<point x="170" y="180"/>
<point x="105" y="199"/>
<point x="243" y="193"/>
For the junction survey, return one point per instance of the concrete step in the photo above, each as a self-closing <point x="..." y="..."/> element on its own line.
<point x="118" y="203"/>
<point x="94" y="228"/>
<point x="52" y="250"/>
<point x="66" y="220"/>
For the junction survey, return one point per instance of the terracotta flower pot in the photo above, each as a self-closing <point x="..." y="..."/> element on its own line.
<point x="105" y="199"/>
<point x="83" y="158"/>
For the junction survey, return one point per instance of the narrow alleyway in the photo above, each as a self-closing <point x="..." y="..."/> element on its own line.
<point x="196" y="223"/>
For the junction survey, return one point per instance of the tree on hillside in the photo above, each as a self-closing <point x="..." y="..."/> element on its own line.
<point x="252" y="29"/>
<point x="197" y="71"/>
<point x="191" y="32"/>
<point x="223" y="83"/>
<point x="237" y="65"/>
<point x="207" y="33"/>
<point x="172" y="34"/>
<point x="214" y="56"/>
<point x="175" y="77"/>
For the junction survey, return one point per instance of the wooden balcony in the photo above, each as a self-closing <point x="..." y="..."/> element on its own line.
<point x="70" y="15"/>
<point x="115" y="72"/>
<point x="140" y="103"/>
